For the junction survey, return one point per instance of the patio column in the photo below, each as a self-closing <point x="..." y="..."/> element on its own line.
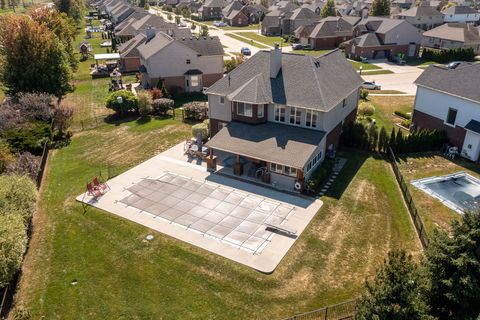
<point x="211" y="161"/>
<point x="301" y="178"/>
<point x="238" y="168"/>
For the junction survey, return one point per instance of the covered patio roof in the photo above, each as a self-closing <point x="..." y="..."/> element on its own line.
<point x="106" y="56"/>
<point x="272" y="142"/>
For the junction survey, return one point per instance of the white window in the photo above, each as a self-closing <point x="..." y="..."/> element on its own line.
<point x="311" y="120"/>
<point x="315" y="160"/>
<point x="260" y="111"/>
<point x="281" y="169"/>
<point x="290" y="171"/>
<point x="278" y="168"/>
<point x="188" y="61"/>
<point x="279" y="113"/>
<point x="194" y="81"/>
<point x="295" y="115"/>
<point x="244" y="109"/>
<point x="222" y="100"/>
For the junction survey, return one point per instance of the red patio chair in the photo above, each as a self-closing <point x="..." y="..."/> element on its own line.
<point x="102" y="186"/>
<point x="92" y="191"/>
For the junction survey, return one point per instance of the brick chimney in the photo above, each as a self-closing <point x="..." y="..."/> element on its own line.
<point x="275" y="61"/>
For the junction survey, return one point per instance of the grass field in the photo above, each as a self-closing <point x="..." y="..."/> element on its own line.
<point x="314" y="53"/>
<point x="121" y="276"/>
<point x="365" y="66"/>
<point x="424" y="165"/>
<point x="376" y="72"/>
<point x="386" y="105"/>
<point x="269" y="41"/>
<point x="255" y="44"/>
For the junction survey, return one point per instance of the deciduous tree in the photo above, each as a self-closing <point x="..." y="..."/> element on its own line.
<point x="380" y="8"/>
<point x="329" y="9"/>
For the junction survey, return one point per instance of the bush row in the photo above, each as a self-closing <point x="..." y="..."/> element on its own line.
<point x="444" y="56"/>
<point x="403" y="114"/>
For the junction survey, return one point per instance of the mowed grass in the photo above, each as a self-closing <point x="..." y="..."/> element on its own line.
<point x="121" y="276"/>
<point x="313" y="53"/>
<point x="365" y="66"/>
<point x="423" y="165"/>
<point x="269" y="41"/>
<point x="385" y="107"/>
<point x="255" y="44"/>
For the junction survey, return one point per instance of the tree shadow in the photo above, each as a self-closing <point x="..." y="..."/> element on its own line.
<point x="143" y="120"/>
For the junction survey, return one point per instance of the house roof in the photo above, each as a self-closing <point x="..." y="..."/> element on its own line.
<point x="332" y="27"/>
<point x="215" y="4"/>
<point x="369" y="39"/>
<point x="474" y="126"/>
<point x="462" y="81"/>
<point x="278" y="143"/>
<point x="378" y="24"/>
<point x="129" y="49"/>
<point x="304" y="13"/>
<point x="461" y="32"/>
<point x="303" y="81"/>
<point x="460" y="10"/>
<point x="421" y="11"/>
<point x="234" y="5"/>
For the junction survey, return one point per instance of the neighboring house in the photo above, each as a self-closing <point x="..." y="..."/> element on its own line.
<point x="329" y="33"/>
<point x="316" y="6"/>
<point x="129" y="55"/>
<point x="280" y="23"/>
<point x="378" y="38"/>
<point x="405" y="4"/>
<point x="136" y="15"/>
<point x="422" y="17"/>
<point x="461" y="14"/>
<point x="453" y="36"/>
<point x="134" y="27"/>
<point x="212" y="9"/>
<point x="449" y="99"/>
<point x="236" y="18"/>
<point x="269" y="112"/>
<point x="183" y="64"/>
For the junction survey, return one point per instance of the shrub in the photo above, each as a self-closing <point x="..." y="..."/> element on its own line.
<point x="26" y="164"/>
<point x="320" y="175"/>
<point x="36" y="106"/>
<point x="31" y="137"/>
<point x="406" y="123"/>
<point x="196" y="110"/>
<point x="161" y="106"/>
<point x="364" y="94"/>
<point x="144" y="103"/>
<point x="167" y="7"/>
<point x="6" y="156"/>
<point x="403" y="115"/>
<point x="202" y="129"/>
<point x="17" y="194"/>
<point x="366" y="109"/>
<point x="13" y="243"/>
<point x="62" y="118"/>
<point x="444" y="56"/>
<point x="127" y="103"/>
<point x="156" y="93"/>
<point x="234" y="62"/>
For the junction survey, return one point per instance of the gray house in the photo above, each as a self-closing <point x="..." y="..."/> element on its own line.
<point x="423" y="17"/>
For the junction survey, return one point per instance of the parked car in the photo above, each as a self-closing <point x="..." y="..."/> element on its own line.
<point x="371" y="85"/>
<point x="297" y="46"/>
<point x="398" y="60"/>
<point x="245" y="51"/>
<point x="219" y="24"/>
<point x="182" y="24"/>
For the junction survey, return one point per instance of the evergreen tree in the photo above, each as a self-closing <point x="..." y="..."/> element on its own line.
<point x="399" y="141"/>
<point x="32" y="58"/>
<point x="392" y="141"/>
<point x="383" y="140"/>
<point x="72" y="8"/>
<point x="329" y="9"/>
<point x="373" y="136"/>
<point x="454" y="268"/>
<point x="3" y="4"/>
<point x="380" y="8"/>
<point x="204" y="31"/>
<point x="397" y="292"/>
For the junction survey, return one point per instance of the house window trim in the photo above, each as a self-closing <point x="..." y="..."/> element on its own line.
<point x="454" y="120"/>
<point x="280" y="107"/>
<point x="222" y="100"/>
<point x="309" y="119"/>
<point x="295" y="116"/>
<point x="260" y="107"/>
<point x="244" y="109"/>
<point x="283" y="170"/>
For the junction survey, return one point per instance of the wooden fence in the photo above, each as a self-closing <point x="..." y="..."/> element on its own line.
<point x="412" y="209"/>
<point x="341" y="311"/>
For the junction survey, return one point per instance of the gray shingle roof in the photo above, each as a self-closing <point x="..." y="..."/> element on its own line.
<point x="273" y="142"/>
<point x="215" y="4"/>
<point x="303" y="81"/>
<point x="304" y="13"/>
<point x="460" y="10"/>
<point x="421" y="11"/>
<point x="463" y="81"/>
<point x="335" y="27"/>
<point x="461" y="32"/>
<point x="473" y="125"/>
<point x="129" y="49"/>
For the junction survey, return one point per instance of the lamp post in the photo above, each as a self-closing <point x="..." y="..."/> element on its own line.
<point x="258" y="17"/>
<point x="361" y="68"/>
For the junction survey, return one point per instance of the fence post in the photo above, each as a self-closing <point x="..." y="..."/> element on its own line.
<point x="326" y="313"/>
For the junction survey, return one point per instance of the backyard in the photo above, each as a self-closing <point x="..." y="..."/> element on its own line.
<point x="269" y="41"/>
<point x="100" y="264"/>
<point x="425" y="165"/>
<point x="385" y="106"/>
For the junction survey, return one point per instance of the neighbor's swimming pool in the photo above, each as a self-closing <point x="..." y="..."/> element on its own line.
<point x="459" y="191"/>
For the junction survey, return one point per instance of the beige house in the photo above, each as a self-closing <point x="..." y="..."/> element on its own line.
<point x="453" y="36"/>
<point x="181" y="64"/>
<point x="423" y="17"/>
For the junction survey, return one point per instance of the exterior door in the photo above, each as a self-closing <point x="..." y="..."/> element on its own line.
<point x="411" y="50"/>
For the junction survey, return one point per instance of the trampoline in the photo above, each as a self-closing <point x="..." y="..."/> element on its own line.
<point x="459" y="191"/>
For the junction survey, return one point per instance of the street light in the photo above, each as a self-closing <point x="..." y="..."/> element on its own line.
<point x="361" y="68"/>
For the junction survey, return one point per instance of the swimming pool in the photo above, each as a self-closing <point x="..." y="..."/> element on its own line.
<point x="459" y="191"/>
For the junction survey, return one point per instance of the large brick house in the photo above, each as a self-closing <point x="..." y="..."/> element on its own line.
<point x="283" y="112"/>
<point x="378" y="38"/>
<point x="453" y="36"/>
<point x="212" y="9"/>
<point x="424" y="17"/>
<point x="449" y="99"/>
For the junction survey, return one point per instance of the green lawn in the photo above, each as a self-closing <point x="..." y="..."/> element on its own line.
<point x="376" y="72"/>
<point x="314" y="53"/>
<point x="269" y="41"/>
<point x="385" y="107"/>
<point x="249" y="27"/>
<point x="2" y="95"/>
<point x="423" y="165"/>
<point x="365" y="66"/>
<point x="122" y="277"/>
<point x="255" y="44"/>
<point x="419" y="62"/>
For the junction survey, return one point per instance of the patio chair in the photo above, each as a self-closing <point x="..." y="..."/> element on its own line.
<point x="101" y="186"/>
<point x="93" y="191"/>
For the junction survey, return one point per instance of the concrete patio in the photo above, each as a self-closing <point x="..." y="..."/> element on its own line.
<point x="175" y="195"/>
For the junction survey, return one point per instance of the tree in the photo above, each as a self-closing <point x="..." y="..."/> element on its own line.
<point x="329" y="9"/>
<point x="373" y="136"/>
<point x="380" y="8"/>
<point x="142" y="3"/>
<point x="383" y="140"/>
<point x="6" y="156"/>
<point x="32" y="58"/>
<point x="13" y="243"/>
<point x="204" y="31"/>
<point x="193" y="26"/>
<point x="72" y="8"/>
<point x="391" y="141"/>
<point x="122" y="101"/>
<point x="62" y="118"/>
<point x="62" y="26"/>
<point x="397" y="292"/>
<point x="18" y="194"/>
<point x="454" y="267"/>
<point x="3" y="4"/>
<point x="234" y="62"/>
